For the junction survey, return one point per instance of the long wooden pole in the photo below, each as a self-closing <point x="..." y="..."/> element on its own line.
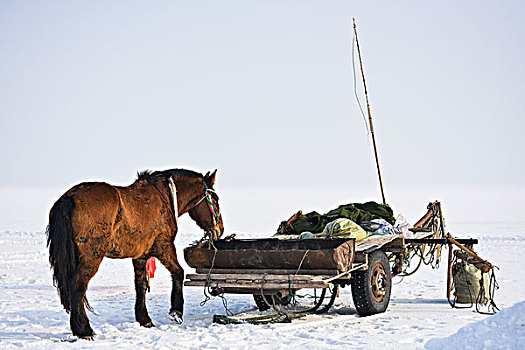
<point x="369" y="115"/>
<point x="481" y="264"/>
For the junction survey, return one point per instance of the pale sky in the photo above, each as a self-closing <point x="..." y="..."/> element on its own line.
<point x="262" y="91"/>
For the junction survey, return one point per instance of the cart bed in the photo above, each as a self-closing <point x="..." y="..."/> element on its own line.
<point x="312" y="254"/>
<point x="388" y="242"/>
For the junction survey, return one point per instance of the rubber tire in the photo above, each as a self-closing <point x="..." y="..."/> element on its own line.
<point x="361" y="282"/>
<point x="259" y="301"/>
<point x="262" y="306"/>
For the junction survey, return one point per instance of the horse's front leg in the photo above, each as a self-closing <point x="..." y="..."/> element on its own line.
<point x="141" y="312"/>
<point x="167" y="255"/>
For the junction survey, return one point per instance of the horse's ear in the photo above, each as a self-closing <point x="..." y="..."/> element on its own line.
<point x="207" y="175"/>
<point x="212" y="177"/>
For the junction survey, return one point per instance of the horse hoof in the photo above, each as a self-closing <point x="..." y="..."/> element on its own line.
<point x="176" y="317"/>
<point x="148" y="324"/>
<point x="87" y="337"/>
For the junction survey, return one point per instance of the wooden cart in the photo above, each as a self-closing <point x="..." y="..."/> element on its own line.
<point x="271" y="269"/>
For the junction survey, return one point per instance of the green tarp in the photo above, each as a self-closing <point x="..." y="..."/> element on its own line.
<point x="315" y="222"/>
<point x="339" y="228"/>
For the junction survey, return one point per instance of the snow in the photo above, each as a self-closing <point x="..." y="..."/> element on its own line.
<point x="506" y="329"/>
<point x="418" y="316"/>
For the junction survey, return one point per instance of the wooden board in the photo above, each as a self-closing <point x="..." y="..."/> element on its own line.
<point x="274" y="254"/>
<point x="270" y="271"/>
<point x="255" y="277"/>
<point x="258" y="285"/>
<point x="389" y="242"/>
<point x="374" y="242"/>
<point x="258" y="281"/>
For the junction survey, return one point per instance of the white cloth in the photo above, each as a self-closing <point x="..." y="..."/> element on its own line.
<point x="173" y="192"/>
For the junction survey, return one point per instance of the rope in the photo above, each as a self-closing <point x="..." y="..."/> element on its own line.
<point x="272" y="305"/>
<point x="491" y="304"/>
<point x="400" y="281"/>
<point x="408" y="261"/>
<point x="480" y="299"/>
<point x="294" y="300"/>
<point x="430" y="257"/>
<point x="208" y="289"/>
<point x="281" y="316"/>
<point x="301" y="263"/>
<point x="208" y="281"/>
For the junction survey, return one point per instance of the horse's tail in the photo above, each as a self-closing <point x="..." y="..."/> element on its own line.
<point x="63" y="252"/>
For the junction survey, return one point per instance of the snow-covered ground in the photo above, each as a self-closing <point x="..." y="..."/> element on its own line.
<point x="418" y="316"/>
<point x="504" y="330"/>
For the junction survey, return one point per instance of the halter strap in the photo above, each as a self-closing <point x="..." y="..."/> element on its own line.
<point x="204" y="197"/>
<point x="215" y="213"/>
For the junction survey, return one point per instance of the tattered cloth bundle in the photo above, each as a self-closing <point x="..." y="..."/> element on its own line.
<point x="339" y="228"/>
<point x="315" y="223"/>
<point x="469" y="286"/>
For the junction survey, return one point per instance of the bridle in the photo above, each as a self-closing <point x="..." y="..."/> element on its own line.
<point x="212" y="206"/>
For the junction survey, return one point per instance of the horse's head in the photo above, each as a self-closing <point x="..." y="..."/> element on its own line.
<point x="206" y="212"/>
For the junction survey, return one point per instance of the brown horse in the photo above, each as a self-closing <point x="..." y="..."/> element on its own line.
<point x="93" y="220"/>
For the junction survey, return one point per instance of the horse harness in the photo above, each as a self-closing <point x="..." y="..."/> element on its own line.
<point x="214" y="210"/>
<point x="211" y="203"/>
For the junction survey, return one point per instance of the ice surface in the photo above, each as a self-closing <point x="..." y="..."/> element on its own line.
<point x="31" y="315"/>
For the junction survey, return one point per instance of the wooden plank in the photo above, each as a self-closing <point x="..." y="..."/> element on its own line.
<point x="346" y="275"/>
<point x="422" y="235"/>
<point x="251" y="283"/>
<point x="388" y="242"/>
<point x="360" y="258"/>
<point x="269" y="271"/>
<point x="375" y="242"/>
<point x="258" y="286"/>
<point x="313" y="254"/>
<point x="464" y="241"/>
<point x="247" y="290"/>
<point x="255" y="277"/>
<point x="397" y="245"/>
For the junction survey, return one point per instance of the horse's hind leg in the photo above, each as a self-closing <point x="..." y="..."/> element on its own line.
<point x="78" y="286"/>
<point x="168" y="257"/>
<point x="141" y="313"/>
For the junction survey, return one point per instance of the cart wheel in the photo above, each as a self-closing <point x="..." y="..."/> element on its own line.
<point x="263" y="306"/>
<point x="371" y="288"/>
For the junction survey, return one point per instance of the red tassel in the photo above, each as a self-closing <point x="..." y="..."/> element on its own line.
<point x="150" y="267"/>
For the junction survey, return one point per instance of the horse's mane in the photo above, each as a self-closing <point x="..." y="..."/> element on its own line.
<point x="153" y="177"/>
